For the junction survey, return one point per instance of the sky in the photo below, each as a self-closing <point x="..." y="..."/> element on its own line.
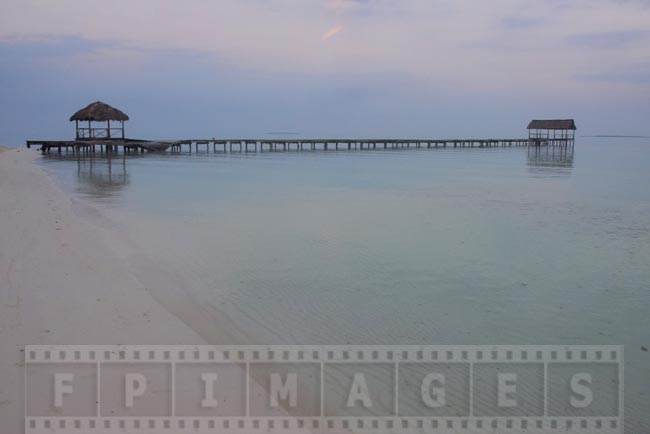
<point x="325" y="68"/>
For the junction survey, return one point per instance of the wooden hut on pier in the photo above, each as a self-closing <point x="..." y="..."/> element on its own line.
<point x="99" y="112"/>
<point x="551" y="129"/>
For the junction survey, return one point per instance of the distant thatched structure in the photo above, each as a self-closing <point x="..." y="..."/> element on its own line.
<point x="561" y="128"/>
<point x="552" y="124"/>
<point x="99" y="112"/>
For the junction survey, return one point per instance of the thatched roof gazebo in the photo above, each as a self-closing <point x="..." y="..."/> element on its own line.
<point x="561" y="129"/>
<point x="99" y="112"/>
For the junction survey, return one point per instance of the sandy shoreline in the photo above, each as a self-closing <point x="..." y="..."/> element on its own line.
<point x="61" y="282"/>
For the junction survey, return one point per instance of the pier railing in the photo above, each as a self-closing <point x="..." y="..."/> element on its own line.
<point x="84" y="133"/>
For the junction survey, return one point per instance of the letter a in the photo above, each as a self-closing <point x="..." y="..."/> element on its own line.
<point x="359" y="392"/>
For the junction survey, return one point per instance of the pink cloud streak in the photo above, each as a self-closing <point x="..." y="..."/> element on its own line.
<point x="331" y="32"/>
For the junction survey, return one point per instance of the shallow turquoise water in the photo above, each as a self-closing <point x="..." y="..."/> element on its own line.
<point x="444" y="246"/>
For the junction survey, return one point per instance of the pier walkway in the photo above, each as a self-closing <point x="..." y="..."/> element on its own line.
<point x="259" y="145"/>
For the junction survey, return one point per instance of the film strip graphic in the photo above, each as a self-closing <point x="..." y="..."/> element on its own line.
<point x="323" y="389"/>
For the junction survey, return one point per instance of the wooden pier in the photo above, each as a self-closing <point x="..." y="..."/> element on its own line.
<point x="262" y="145"/>
<point x="111" y="139"/>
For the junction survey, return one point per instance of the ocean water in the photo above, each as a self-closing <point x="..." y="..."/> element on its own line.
<point x="440" y="246"/>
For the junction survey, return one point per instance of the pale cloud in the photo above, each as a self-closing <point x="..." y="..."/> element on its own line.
<point x="522" y="22"/>
<point x="622" y="75"/>
<point x="473" y="46"/>
<point x="600" y="40"/>
<point x="341" y="5"/>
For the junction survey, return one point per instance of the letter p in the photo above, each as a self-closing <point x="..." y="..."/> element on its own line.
<point x="134" y="386"/>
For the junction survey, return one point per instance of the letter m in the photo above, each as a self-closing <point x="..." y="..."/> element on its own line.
<point x="282" y="391"/>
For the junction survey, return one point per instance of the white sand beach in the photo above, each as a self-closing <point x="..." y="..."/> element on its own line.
<point x="61" y="282"/>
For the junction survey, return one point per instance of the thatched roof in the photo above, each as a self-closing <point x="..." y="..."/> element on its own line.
<point x="99" y="112"/>
<point x="552" y="124"/>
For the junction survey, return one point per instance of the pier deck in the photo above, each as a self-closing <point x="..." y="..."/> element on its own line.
<point x="259" y="145"/>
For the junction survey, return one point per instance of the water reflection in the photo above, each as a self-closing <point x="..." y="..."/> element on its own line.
<point x="105" y="175"/>
<point x="101" y="177"/>
<point x="550" y="160"/>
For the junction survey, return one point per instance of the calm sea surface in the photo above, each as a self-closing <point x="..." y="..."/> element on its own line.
<point x="440" y="246"/>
